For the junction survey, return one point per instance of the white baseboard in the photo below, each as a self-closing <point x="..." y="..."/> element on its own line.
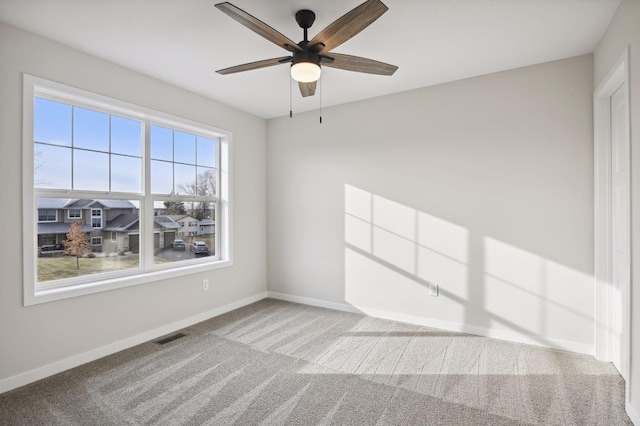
<point x="632" y="413"/>
<point x="443" y="325"/>
<point x="314" y="302"/>
<point x="85" y="357"/>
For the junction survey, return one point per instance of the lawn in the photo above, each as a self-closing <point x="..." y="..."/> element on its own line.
<point x="59" y="267"/>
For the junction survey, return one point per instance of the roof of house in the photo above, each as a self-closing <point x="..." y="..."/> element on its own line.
<point x="52" y="203"/>
<point x="123" y="222"/>
<point x="129" y="222"/>
<point x="206" y="222"/>
<point x="67" y="203"/>
<point x="178" y="217"/>
<point x="166" y="222"/>
<point x="58" y="228"/>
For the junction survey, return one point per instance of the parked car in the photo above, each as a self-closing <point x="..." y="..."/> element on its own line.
<point x="178" y="245"/>
<point x="199" y="247"/>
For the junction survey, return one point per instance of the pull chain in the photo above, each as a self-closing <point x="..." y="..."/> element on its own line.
<point x="290" y="97"/>
<point x="320" y="81"/>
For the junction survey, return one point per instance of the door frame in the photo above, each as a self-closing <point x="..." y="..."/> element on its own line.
<point x="619" y="74"/>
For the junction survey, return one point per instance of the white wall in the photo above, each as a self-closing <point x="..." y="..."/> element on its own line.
<point x="624" y="31"/>
<point x="35" y="336"/>
<point x="483" y="186"/>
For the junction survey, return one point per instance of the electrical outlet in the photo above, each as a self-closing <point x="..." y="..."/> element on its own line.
<point x="433" y="289"/>
<point x="205" y="285"/>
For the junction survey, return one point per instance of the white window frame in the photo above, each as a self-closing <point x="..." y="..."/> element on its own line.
<point x="114" y="237"/>
<point x="96" y="238"/>
<point x="48" y="221"/>
<point x="74" y="217"/>
<point x="34" y="292"/>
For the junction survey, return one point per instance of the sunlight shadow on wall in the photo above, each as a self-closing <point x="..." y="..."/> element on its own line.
<point x="393" y="253"/>
<point x="521" y="283"/>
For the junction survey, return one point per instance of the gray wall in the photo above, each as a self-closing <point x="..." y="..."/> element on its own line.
<point x="38" y="335"/>
<point x="624" y="31"/>
<point x="483" y="186"/>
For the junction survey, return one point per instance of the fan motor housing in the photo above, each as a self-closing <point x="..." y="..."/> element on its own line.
<point x="305" y="56"/>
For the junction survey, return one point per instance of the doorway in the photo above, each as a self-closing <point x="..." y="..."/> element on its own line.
<point x="612" y="217"/>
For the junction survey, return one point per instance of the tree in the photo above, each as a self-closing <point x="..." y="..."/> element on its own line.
<point x="204" y="185"/>
<point x="174" y="207"/>
<point x="77" y="242"/>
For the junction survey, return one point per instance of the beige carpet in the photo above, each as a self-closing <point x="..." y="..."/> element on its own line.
<point x="275" y="363"/>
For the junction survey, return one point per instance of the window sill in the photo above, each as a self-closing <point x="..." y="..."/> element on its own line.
<point x="35" y="297"/>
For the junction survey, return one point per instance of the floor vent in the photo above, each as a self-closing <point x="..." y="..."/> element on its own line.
<point x="170" y="339"/>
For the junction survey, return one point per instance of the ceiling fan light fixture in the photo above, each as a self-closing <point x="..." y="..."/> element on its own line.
<point x="305" y="72"/>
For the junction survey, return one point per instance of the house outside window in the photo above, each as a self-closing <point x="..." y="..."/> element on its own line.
<point x="88" y="152"/>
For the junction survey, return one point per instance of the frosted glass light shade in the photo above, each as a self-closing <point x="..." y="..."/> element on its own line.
<point x="305" y="72"/>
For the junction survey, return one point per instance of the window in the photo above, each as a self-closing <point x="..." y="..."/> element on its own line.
<point x="96" y="218"/>
<point x="121" y="164"/>
<point x="47" y="239"/>
<point x="181" y="223"/>
<point x="47" y="215"/>
<point x="182" y="164"/>
<point x="74" y="214"/>
<point x="193" y="223"/>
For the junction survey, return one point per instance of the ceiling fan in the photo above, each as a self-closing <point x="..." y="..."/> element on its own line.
<point x="308" y="56"/>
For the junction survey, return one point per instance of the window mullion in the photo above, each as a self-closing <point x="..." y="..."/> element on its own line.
<point x="146" y="213"/>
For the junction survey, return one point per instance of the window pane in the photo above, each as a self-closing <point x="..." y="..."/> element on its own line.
<point x="161" y="143"/>
<point x="90" y="129"/>
<point x="184" y="148"/>
<point x="51" y="122"/>
<point x="126" y="136"/>
<point x="52" y="167"/>
<point x="206" y="152"/>
<point x="185" y="179"/>
<point x="189" y="239"/>
<point x="161" y="177"/>
<point x="90" y="170"/>
<point x="95" y="249"/>
<point x="206" y="181"/>
<point x="126" y="174"/>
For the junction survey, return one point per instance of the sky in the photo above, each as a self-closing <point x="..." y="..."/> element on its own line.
<point x="78" y="148"/>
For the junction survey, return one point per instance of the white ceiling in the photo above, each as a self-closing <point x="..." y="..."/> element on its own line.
<point x="431" y="41"/>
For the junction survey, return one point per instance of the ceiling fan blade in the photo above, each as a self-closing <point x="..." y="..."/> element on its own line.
<point x="349" y="25"/>
<point x="307" y="89"/>
<point x="255" y="65"/>
<point x="358" y="64"/>
<point x="259" y="27"/>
